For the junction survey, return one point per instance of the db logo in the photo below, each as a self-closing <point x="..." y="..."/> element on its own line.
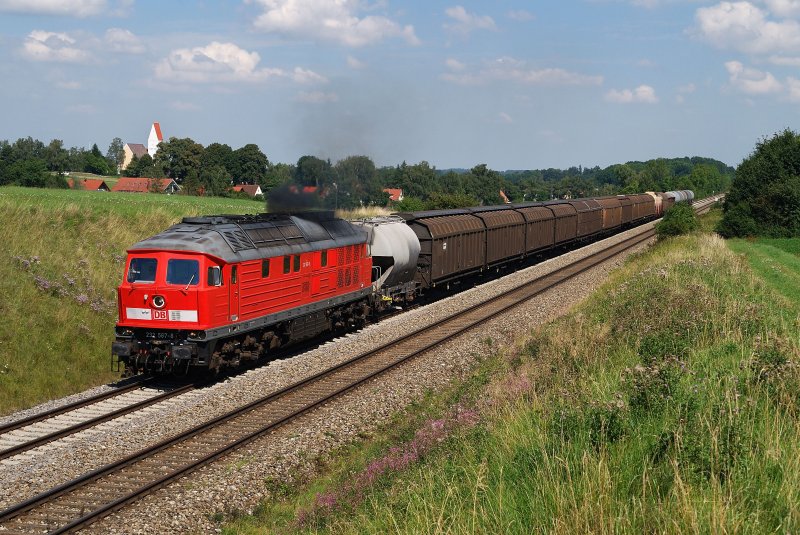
<point x="160" y="315"/>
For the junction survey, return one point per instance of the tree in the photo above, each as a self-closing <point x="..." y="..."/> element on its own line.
<point x="313" y="171"/>
<point x="95" y="162"/>
<point x="115" y="155"/>
<point x="679" y="219"/>
<point x="177" y="157"/>
<point x="764" y="198"/>
<point x="56" y="157"/>
<point x="250" y="165"/>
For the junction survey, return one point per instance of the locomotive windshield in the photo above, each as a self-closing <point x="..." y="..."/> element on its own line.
<point x="186" y="272"/>
<point x="142" y="270"/>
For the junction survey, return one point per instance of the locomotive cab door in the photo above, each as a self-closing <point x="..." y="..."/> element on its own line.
<point x="233" y="289"/>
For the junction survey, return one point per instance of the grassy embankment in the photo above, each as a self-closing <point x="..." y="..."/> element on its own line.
<point x="60" y="263"/>
<point x="667" y="402"/>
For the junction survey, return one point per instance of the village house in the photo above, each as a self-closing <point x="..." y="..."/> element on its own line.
<point x="146" y="185"/>
<point x="250" y="189"/>
<point x="395" y="194"/>
<point x="89" y="184"/>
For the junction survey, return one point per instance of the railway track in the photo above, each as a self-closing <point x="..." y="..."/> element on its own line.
<point x="26" y="434"/>
<point x="94" y="495"/>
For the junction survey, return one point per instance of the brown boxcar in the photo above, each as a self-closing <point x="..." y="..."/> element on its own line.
<point x="612" y="212"/>
<point x="452" y="242"/>
<point x="566" y="217"/>
<point x="590" y="216"/>
<point x="505" y="232"/>
<point x="540" y="226"/>
<point x="644" y="206"/>
<point x="627" y="209"/>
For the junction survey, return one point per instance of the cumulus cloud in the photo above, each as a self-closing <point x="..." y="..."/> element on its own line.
<point x="463" y="22"/>
<point x="521" y="15"/>
<point x="793" y="89"/>
<point x="222" y="63"/>
<point x="745" y="27"/>
<point x="505" y="118"/>
<point x="784" y="8"/>
<point x="316" y="97"/>
<point x="324" y="20"/>
<point x="644" y="94"/>
<point x="355" y="63"/>
<point x="513" y="70"/>
<point x="454" y="64"/>
<point x="52" y="46"/>
<point x="119" y="40"/>
<point x="752" y="81"/>
<point x="66" y="8"/>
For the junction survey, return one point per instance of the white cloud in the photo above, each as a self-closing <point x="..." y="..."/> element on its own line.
<point x="793" y="88"/>
<point x="316" y="97"/>
<point x="454" y="64"/>
<point x="51" y="46"/>
<point x="505" y="118"/>
<point x="521" y="15"/>
<point x="784" y="61"/>
<point x="784" y="8"/>
<point x="513" y="70"/>
<point x="222" y="63"/>
<point x="464" y="22"/>
<point x="325" y="20"/>
<point x="119" y="40"/>
<point x="355" y="63"/>
<point x="644" y="93"/>
<point x="72" y="8"/>
<point x="744" y="27"/>
<point x="752" y="81"/>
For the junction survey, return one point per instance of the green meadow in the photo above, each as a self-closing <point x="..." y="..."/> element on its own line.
<point x="61" y="260"/>
<point x="667" y="402"/>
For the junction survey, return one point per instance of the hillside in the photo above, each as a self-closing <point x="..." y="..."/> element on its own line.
<point x="667" y="402"/>
<point x="62" y="259"/>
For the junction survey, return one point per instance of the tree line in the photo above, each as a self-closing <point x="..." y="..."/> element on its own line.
<point x="355" y="180"/>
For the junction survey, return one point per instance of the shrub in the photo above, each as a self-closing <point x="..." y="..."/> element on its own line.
<point x="680" y="219"/>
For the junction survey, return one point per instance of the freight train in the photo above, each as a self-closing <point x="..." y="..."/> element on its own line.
<point x="218" y="292"/>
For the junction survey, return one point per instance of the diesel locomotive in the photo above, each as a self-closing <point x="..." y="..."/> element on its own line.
<point x="217" y="292"/>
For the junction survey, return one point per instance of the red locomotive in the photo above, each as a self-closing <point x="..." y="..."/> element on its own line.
<point x="213" y="291"/>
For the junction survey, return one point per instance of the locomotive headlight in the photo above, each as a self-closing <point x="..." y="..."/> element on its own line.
<point x="197" y="335"/>
<point x="158" y="301"/>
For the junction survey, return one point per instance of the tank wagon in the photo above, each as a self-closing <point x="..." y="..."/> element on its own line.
<point x="218" y="291"/>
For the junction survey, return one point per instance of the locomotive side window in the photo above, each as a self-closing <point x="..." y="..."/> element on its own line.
<point x="265" y="269"/>
<point x="323" y="259"/>
<point x="142" y="270"/>
<point x="183" y="272"/>
<point x="214" y="276"/>
<point x="296" y="262"/>
<point x="287" y="264"/>
<point x="233" y="275"/>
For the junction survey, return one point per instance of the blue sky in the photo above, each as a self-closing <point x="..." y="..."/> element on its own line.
<point x="513" y="84"/>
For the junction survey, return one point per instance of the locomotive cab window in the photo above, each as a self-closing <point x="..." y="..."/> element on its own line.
<point x="233" y="275"/>
<point x="323" y="259"/>
<point x="186" y="272"/>
<point x="296" y="262"/>
<point x="214" y="276"/>
<point x="287" y="264"/>
<point x="264" y="269"/>
<point x="142" y="270"/>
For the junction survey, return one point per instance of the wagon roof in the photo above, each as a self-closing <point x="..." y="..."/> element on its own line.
<point x="235" y="238"/>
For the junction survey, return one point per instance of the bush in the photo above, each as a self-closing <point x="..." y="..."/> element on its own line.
<point x="764" y="199"/>
<point x="680" y="219"/>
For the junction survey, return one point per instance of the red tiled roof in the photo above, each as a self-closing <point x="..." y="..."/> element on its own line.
<point x="158" y="131"/>
<point x="140" y="185"/>
<point x="89" y="184"/>
<point x="250" y="189"/>
<point x="395" y="194"/>
<point x="137" y="149"/>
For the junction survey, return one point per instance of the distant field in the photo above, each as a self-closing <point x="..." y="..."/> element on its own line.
<point x="61" y="260"/>
<point x="109" y="180"/>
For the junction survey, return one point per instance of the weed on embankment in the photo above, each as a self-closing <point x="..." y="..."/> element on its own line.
<point x="668" y="402"/>
<point x="61" y="259"/>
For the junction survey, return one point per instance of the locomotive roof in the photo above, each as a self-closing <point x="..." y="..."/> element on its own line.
<point x="235" y="238"/>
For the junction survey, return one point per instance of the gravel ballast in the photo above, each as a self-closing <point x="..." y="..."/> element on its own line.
<point x="239" y="481"/>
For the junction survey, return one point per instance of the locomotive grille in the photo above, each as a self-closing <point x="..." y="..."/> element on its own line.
<point x="238" y="240"/>
<point x="340" y="278"/>
<point x="340" y="256"/>
<point x="349" y="254"/>
<point x="355" y="274"/>
<point x="347" y="277"/>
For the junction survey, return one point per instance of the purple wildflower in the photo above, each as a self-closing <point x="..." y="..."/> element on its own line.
<point x="82" y="299"/>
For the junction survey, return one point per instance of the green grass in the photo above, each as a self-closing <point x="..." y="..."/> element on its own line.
<point x="667" y="402"/>
<point x="777" y="262"/>
<point x="61" y="261"/>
